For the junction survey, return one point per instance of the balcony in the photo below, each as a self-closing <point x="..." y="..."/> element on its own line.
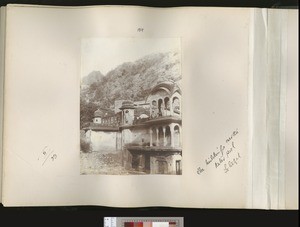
<point x="156" y="150"/>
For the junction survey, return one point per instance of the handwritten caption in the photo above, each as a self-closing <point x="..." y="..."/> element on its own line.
<point x="140" y="30"/>
<point x="47" y="154"/>
<point x="225" y="157"/>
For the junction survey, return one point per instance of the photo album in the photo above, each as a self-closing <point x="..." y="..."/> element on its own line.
<point x="130" y="106"/>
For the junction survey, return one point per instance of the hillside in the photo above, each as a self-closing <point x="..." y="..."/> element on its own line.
<point x="130" y="80"/>
<point x="93" y="77"/>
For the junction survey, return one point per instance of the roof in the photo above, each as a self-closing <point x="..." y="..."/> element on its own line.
<point x="98" y="113"/>
<point x="163" y="120"/>
<point x="140" y="110"/>
<point x="158" y="150"/>
<point x="127" y="105"/>
<point x="103" y="113"/>
<point x="99" y="127"/>
<point x="169" y="87"/>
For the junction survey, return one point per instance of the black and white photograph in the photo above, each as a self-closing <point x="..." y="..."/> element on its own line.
<point x="130" y="106"/>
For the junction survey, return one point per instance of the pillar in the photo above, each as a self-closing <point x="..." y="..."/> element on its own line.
<point x="172" y="134"/>
<point x="180" y="133"/>
<point x="157" y="141"/>
<point x="141" y="165"/>
<point x="164" y="135"/>
<point x="163" y="108"/>
<point x="171" y="107"/>
<point x="122" y="120"/>
<point x="150" y="131"/>
<point x="150" y="108"/>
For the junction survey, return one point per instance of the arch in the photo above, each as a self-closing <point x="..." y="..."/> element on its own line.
<point x="162" y="166"/>
<point x="176" y="105"/>
<point x="160" y="88"/>
<point x="163" y="86"/>
<point x="160" y="136"/>
<point x="167" y="102"/>
<point x="153" y="109"/>
<point x="167" y="106"/>
<point x="177" y="136"/>
<point x="160" y="107"/>
<point x="168" y="136"/>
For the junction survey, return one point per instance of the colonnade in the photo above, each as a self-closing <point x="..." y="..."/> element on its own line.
<point x="165" y="135"/>
<point x="164" y="106"/>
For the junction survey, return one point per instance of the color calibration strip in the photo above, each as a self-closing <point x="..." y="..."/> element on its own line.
<point x="143" y="222"/>
<point x="150" y="224"/>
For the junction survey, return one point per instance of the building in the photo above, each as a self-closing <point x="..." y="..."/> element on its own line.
<point x="147" y="133"/>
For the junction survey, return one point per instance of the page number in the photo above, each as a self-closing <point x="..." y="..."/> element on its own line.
<point x="140" y="30"/>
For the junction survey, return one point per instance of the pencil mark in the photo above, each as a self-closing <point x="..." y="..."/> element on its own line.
<point x="46" y="153"/>
<point x="140" y="30"/>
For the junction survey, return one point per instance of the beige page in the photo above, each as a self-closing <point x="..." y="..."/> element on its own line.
<point x="42" y="89"/>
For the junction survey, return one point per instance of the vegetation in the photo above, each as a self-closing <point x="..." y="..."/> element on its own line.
<point x="84" y="146"/>
<point x="128" y="81"/>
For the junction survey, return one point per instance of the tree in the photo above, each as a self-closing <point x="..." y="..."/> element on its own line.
<point x="87" y="110"/>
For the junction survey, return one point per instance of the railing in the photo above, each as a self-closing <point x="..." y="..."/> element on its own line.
<point x="140" y="121"/>
<point x="164" y="113"/>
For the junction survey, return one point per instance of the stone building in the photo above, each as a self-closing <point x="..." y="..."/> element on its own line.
<point x="147" y="133"/>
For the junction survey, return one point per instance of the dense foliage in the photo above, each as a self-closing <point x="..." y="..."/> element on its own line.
<point x="128" y="81"/>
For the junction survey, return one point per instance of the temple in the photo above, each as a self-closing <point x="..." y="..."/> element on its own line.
<point x="148" y="133"/>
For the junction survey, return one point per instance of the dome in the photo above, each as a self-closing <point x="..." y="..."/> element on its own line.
<point x="127" y="105"/>
<point x="98" y="113"/>
<point x="169" y="87"/>
<point x="143" y="116"/>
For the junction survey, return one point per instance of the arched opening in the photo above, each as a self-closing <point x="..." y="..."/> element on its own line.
<point x="178" y="167"/>
<point x="162" y="167"/>
<point x="168" y="136"/>
<point x="160" y="136"/>
<point x="153" y="135"/>
<point x="167" y="106"/>
<point x="176" y="105"/>
<point x="160" y="107"/>
<point x="176" y="136"/>
<point x="154" y="109"/>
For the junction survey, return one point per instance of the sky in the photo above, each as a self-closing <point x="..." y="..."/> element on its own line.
<point x="105" y="54"/>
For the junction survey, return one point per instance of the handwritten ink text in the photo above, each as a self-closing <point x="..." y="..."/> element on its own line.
<point x="226" y="155"/>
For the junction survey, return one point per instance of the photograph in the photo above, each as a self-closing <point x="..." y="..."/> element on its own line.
<point x="130" y="106"/>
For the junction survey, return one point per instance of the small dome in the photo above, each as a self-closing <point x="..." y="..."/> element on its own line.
<point x="127" y="105"/>
<point x="143" y="116"/>
<point x="127" y="102"/>
<point x="98" y="113"/>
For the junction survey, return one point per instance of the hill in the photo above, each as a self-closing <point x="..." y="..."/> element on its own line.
<point x="93" y="77"/>
<point x="130" y="80"/>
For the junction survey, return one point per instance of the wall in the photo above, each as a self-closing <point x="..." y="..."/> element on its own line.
<point x="135" y="136"/>
<point x="103" y="141"/>
<point x="170" y="164"/>
<point x="140" y="137"/>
